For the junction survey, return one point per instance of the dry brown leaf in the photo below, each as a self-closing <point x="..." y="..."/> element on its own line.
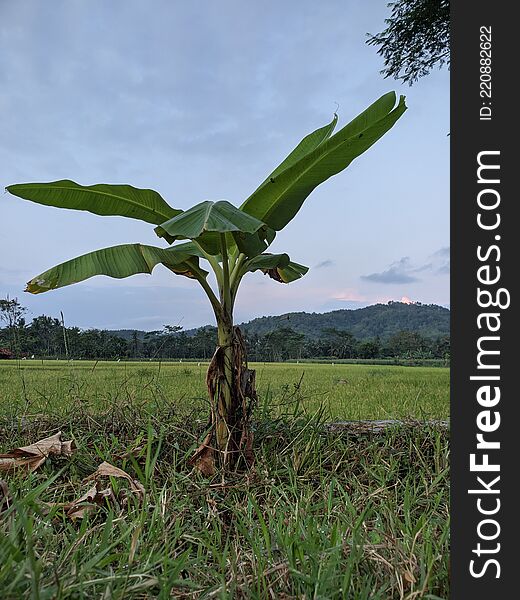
<point x="87" y="503"/>
<point x="5" y="496"/>
<point x="409" y="577"/>
<point x="204" y="458"/>
<point x="105" y="469"/>
<point x="96" y="496"/>
<point x="34" y="455"/>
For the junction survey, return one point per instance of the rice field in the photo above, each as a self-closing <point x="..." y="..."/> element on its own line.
<point x="342" y="391"/>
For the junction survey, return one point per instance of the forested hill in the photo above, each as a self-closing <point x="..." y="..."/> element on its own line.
<point x="378" y="320"/>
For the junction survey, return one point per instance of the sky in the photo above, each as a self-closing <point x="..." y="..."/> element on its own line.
<point x="200" y="100"/>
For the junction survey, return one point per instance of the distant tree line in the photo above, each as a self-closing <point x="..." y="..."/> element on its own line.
<point x="47" y="337"/>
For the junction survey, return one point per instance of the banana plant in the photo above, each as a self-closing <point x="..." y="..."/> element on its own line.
<point x="217" y="236"/>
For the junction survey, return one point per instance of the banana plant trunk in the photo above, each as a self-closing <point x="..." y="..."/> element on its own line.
<point x="231" y="389"/>
<point x="224" y="395"/>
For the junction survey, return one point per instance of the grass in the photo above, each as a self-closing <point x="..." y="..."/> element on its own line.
<point x="345" y="391"/>
<point x="321" y="515"/>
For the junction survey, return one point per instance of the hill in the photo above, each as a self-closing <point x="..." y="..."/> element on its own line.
<point x="378" y="320"/>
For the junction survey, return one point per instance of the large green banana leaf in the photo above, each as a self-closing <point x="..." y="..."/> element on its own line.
<point x="101" y="199"/>
<point x="119" y="262"/>
<point x="278" y="266"/>
<point x="205" y="222"/>
<point x="280" y="197"/>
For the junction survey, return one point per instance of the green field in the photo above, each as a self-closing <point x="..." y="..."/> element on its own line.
<point x="343" y="391"/>
<point x="320" y="515"/>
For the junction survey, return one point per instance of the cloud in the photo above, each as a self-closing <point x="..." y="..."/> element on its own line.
<point x="324" y="264"/>
<point x="349" y="295"/>
<point x="351" y="298"/>
<point x="404" y="271"/>
<point x="441" y="261"/>
<point x="398" y="272"/>
<point x="333" y="304"/>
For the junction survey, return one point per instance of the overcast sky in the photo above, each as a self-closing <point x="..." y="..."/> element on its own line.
<point x="200" y="100"/>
